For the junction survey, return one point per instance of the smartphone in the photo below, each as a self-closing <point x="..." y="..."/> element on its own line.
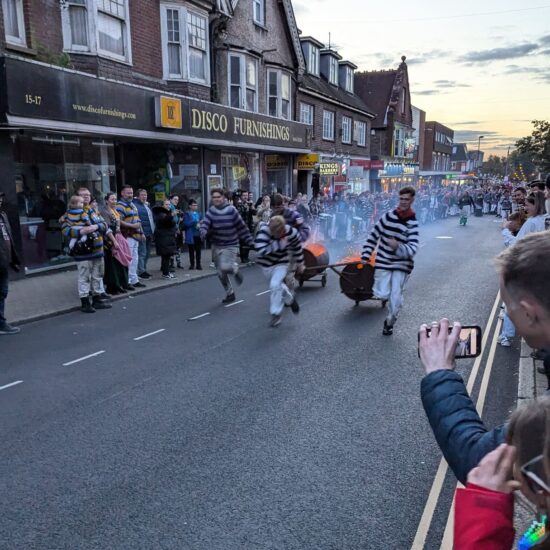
<point x="469" y="341"/>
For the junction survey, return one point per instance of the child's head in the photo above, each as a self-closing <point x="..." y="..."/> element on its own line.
<point x="76" y="203"/>
<point x="515" y="221"/>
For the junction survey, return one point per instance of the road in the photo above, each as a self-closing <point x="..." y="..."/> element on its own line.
<point x="140" y="428"/>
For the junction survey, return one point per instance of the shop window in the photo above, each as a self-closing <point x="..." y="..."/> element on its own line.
<point x="241" y="171"/>
<point x="346" y="129"/>
<point x="328" y="125"/>
<point x="14" y="22"/>
<point x="306" y="113"/>
<point x="243" y="82"/>
<point x="259" y="12"/>
<point x="184" y="44"/>
<point x="278" y="94"/>
<point x="361" y="133"/>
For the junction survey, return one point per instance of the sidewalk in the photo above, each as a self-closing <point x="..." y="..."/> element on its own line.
<point x="42" y="296"/>
<point x="531" y="383"/>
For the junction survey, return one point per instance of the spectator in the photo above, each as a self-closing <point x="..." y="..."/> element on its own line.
<point x="8" y="258"/>
<point x="459" y="431"/>
<point x="191" y="224"/>
<point x="264" y="210"/>
<point x="246" y="209"/>
<point x="518" y="198"/>
<point x="291" y="217"/>
<point x="148" y="227"/>
<point x="177" y="215"/>
<point x="165" y="237"/>
<point x="130" y="225"/>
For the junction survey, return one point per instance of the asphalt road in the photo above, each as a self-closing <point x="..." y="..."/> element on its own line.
<point x="223" y="433"/>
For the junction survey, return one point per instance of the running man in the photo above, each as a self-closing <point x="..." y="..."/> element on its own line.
<point x="225" y="227"/>
<point x="396" y="234"/>
<point x="278" y="246"/>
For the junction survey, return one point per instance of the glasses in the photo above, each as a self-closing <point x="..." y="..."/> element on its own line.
<point x="534" y="474"/>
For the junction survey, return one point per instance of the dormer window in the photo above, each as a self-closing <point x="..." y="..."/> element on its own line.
<point x="349" y="80"/>
<point x="333" y="71"/>
<point x="313" y="61"/>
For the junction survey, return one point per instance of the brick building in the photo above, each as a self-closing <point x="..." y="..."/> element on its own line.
<point x="173" y="97"/>
<point x="340" y="160"/>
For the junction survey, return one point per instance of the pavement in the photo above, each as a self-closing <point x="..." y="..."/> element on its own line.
<point x="172" y="421"/>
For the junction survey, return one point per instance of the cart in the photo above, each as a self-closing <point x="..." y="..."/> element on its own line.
<point x="316" y="259"/>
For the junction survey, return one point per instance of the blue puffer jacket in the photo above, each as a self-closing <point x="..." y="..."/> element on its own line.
<point x="460" y="433"/>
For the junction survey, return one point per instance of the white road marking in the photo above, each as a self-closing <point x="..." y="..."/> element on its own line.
<point x="84" y="358"/>
<point x="235" y="303"/>
<point x="198" y="316"/>
<point x="149" y="334"/>
<point x="264" y="292"/>
<point x="10" y="385"/>
<point x="443" y="237"/>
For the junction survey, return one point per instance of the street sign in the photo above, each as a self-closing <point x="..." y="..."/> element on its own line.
<point x="329" y="169"/>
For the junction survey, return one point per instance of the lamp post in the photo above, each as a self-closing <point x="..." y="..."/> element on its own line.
<point x="479" y="152"/>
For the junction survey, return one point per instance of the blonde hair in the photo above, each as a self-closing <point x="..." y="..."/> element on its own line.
<point x="276" y="225"/>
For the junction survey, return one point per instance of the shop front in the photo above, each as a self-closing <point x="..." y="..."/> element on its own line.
<point x="307" y="167"/>
<point x="397" y="174"/>
<point x="64" y="130"/>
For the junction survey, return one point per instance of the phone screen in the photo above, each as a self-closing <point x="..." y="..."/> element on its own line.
<point x="469" y="342"/>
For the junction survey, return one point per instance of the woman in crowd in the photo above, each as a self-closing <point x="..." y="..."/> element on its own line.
<point x="191" y="224"/>
<point x="264" y="210"/>
<point x="484" y="509"/>
<point x="165" y="237"/>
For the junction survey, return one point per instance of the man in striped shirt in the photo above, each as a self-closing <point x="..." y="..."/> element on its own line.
<point x="278" y="246"/>
<point x="396" y="235"/>
<point x="225" y="227"/>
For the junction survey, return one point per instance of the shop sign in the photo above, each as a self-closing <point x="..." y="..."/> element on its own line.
<point x="355" y="173"/>
<point x="239" y="172"/>
<point x="276" y="162"/>
<point x="168" y="112"/>
<point x="377" y="165"/>
<point x="189" y="170"/>
<point x="307" y="162"/>
<point x="366" y="164"/>
<point x="329" y="169"/>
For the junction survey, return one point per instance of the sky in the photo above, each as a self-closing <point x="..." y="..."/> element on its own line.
<point x="480" y="67"/>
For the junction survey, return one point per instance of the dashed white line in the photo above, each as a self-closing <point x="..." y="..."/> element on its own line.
<point x="198" y="316"/>
<point x="264" y="292"/>
<point x="234" y="303"/>
<point x="10" y="385"/>
<point x="84" y="358"/>
<point x="149" y="334"/>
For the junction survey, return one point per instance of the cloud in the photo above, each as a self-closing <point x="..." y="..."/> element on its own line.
<point x="450" y="84"/>
<point x="300" y="9"/>
<point x="392" y="60"/>
<point x="545" y="39"/>
<point x="473" y="135"/>
<point x="428" y="92"/>
<point x="496" y="54"/>
<point x="467" y="123"/>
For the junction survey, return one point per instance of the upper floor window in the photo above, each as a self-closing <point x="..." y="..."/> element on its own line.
<point x="313" y="60"/>
<point x="361" y="133"/>
<point x="278" y="94"/>
<point x="333" y="70"/>
<point x="184" y="44"/>
<point x="78" y="22"/>
<point x="243" y="82"/>
<point x="349" y="79"/>
<point x="328" y="125"/>
<point x="111" y="27"/>
<point x="346" y="129"/>
<point x="14" y="22"/>
<point x="306" y="113"/>
<point x="259" y="12"/>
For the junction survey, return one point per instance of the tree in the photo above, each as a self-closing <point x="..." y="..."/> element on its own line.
<point x="494" y="165"/>
<point x="537" y="145"/>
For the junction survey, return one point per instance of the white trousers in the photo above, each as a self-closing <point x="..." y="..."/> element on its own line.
<point x="132" y="268"/>
<point x="90" y="277"/>
<point x="225" y="260"/>
<point x="280" y="293"/>
<point x="390" y="285"/>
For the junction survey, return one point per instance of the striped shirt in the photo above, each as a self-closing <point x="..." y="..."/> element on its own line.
<point x="404" y="231"/>
<point x="273" y="251"/>
<point x="77" y="219"/>
<point x="294" y="219"/>
<point x="225" y="227"/>
<point x="129" y="214"/>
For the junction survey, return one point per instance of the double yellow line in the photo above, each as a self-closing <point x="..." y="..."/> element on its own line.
<point x="437" y="486"/>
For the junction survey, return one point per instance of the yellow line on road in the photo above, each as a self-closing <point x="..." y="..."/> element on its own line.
<point x="437" y="486"/>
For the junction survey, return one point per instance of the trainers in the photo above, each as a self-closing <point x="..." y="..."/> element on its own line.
<point x="295" y="307"/>
<point x="6" y="329"/>
<point x="229" y="299"/>
<point x="239" y="278"/>
<point x="145" y="275"/>
<point x="139" y="285"/>
<point x="501" y="314"/>
<point x="167" y="277"/>
<point x="212" y="265"/>
<point x="130" y="287"/>
<point x="172" y="275"/>
<point x="387" y="330"/>
<point x="275" y="321"/>
<point x="504" y="342"/>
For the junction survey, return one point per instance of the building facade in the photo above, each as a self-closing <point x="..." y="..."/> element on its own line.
<point x="438" y="148"/>
<point x="176" y="98"/>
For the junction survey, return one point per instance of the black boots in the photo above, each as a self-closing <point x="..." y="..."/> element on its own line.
<point x="99" y="303"/>
<point x="86" y="306"/>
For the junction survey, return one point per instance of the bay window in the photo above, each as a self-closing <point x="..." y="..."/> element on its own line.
<point x="14" y="22"/>
<point x="278" y="94"/>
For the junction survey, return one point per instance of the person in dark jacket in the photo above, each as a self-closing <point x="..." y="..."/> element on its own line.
<point x="165" y="237"/>
<point x="458" y="429"/>
<point x="148" y="226"/>
<point x="191" y="223"/>
<point x="8" y="258"/>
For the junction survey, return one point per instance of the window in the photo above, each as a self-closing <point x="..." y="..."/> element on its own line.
<point x="313" y="60"/>
<point x="306" y="113"/>
<point x="333" y="70"/>
<point x="111" y="28"/>
<point x="184" y="45"/>
<point x="346" y="129"/>
<point x="349" y="79"/>
<point x="403" y="102"/>
<point x="14" y="22"/>
<point x="259" y="12"/>
<point x="361" y="133"/>
<point x="278" y="94"/>
<point x="328" y="125"/>
<point x="78" y="23"/>
<point x="243" y="82"/>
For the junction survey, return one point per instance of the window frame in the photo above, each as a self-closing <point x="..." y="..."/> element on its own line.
<point x="333" y="64"/>
<point x="261" y="4"/>
<point x="280" y="73"/>
<point x="197" y="13"/>
<point x="361" y="131"/>
<point x="126" y="34"/>
<point x="68" y="45"/>
<point x="349" y="80"/>
<point x="310" y="108"/>
<point x="243" y="80"/>
<point x="314" y="53"/>
<point x="10" y="39"/>
<point x="349" y="125"/>
<point x="332" y="120"/>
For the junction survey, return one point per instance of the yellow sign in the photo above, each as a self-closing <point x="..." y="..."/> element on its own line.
<point x="159" y="197"/>
<point x="169" y="111"/>
<point x="275" y="162"/>
<point x="239" y="172"/>
<point x="329" y="169"/>
<point x="307" y="162"/>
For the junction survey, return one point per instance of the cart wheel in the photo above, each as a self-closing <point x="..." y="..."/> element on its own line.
<point x="324" y="281"/>
<point x="384" y="302"/>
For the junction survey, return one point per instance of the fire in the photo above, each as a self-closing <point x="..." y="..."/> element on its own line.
<point x="317" y="249"/>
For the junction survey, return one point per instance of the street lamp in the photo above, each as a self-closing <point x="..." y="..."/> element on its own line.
<point x="479" y="151"/>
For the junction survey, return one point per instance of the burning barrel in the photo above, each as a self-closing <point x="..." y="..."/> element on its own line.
<point x="356" y="279"/>
<point x="316" y="259"/>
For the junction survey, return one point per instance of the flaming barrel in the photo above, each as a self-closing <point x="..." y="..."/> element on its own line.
<point x="316" y="259"/>
<point x="356" y="279"/>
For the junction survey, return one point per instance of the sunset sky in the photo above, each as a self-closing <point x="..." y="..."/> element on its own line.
<point x="482" y="68"/>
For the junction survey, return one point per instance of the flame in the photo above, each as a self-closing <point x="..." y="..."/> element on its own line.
<point x="317" y="249"/>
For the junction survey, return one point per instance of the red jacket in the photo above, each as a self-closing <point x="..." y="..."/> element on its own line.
<point x="483" y="519"/>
